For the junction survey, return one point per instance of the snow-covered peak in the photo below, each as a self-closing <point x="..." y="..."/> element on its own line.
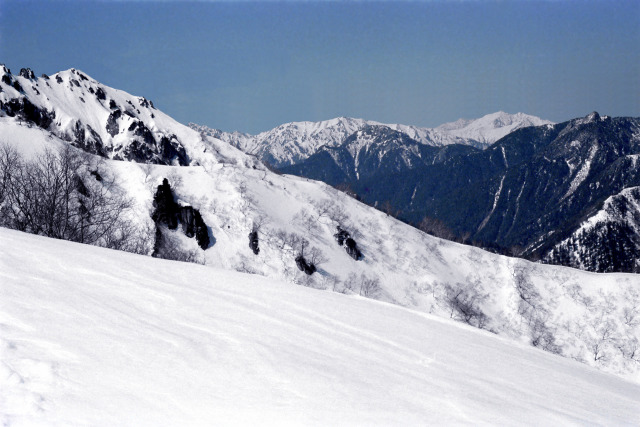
<point x="490" y="128"/>
<point x="105" y="121"/>
<point x="290" y="143"/>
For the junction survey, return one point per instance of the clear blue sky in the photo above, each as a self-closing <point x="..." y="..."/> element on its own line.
<point x="251" y="66"/>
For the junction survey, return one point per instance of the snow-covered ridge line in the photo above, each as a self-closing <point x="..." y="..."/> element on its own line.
<point x="292" y="142"/>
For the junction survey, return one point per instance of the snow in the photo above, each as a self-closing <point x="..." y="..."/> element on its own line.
<point x="233" y="192"/>
<point x="98" y="337"/>
<point x="496" y="197"/>
<point x="582" y="174"/>
<point x="292" y="142"/>
<point x="490" y="128"/>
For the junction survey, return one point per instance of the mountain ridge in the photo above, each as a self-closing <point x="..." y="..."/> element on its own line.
<point x="291" y="143"/>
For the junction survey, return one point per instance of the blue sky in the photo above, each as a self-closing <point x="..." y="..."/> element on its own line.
<point x="251" y="66"/>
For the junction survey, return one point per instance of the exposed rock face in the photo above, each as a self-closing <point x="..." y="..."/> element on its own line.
<point x="253" y="242"/>
<point x="88" y="139"/>
<point x="352" y="249"/>
<point x="193" y="225"/>
<point x="24" y="109"/>
<point x="168" y="212"/>
<point x="343" y="237"/>
<point x="303" y="265"/>
<point x="27" y="73"/>
<point x="112" y="122"/>
<point x="123" y="133"/>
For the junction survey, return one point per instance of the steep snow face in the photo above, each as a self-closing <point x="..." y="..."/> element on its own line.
<point x="98" y="337"/>
<point x="490" y="128"/>
<point x="291" y="142"/>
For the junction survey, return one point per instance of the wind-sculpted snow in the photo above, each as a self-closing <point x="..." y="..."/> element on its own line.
<point x="98" y="337"/>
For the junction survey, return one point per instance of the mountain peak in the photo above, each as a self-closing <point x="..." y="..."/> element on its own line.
<point x="593" y="117"/>
<point x="491" y="127"/>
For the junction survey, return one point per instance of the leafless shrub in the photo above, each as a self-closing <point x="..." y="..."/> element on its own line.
<point x="463" y="302"/>
<point x="369" y="286"/>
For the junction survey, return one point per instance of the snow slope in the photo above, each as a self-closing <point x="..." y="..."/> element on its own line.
<point x="490" y="128"/>
<point x="560" y="309"/>
<point x="98" y="337"/>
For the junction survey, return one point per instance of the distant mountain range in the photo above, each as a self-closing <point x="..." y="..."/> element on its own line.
<point x="291" y="143"/>
<point x="538" y="192"/>
<point x="561" y="193"/>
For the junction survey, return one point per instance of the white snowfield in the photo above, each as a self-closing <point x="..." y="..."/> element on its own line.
<point x="490" y="128"/>
<point x="90" y="336"/>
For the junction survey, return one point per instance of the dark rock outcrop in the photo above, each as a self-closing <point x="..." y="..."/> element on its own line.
<point x="27" y="73"/>
<point x="100" y="94"/>
<point x="343" y="237"/>
<point x="303" y="265"/>
<point x="112" y="122"/>
<point x="24" y="109"/>
<point x="193" y="225"/>
<point x="168" y="212"/>
<point x="87" y="139"/>
<point x="352" y="249"/>
<point x="253" y="242"/>
<point x="165" y="208"/>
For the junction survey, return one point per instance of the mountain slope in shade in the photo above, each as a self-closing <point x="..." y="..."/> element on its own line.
<point x="98" y="337"/>
<point x="373" y="151"/>
<point x="609" y="240"/>
<point x="526" y="193"/>
<point x="490" y="128"/>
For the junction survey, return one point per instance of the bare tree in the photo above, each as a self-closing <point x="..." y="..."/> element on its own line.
<point x="64" y="194"/>
<point x="10" y="161"/>
<point x="369" y="286"/>
<point x="463" y="302"/>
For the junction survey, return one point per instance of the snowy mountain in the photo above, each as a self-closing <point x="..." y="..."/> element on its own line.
<point x="490" y="128"/>
<point x="524" y="195"/>
<point x="373" y="151"/>
<point x="98" y="337"/>
<point x="609" y="240"/>
<point x="101" y="120"/>
<point x="226" y="210"/>
<point x="291" y="143"/>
